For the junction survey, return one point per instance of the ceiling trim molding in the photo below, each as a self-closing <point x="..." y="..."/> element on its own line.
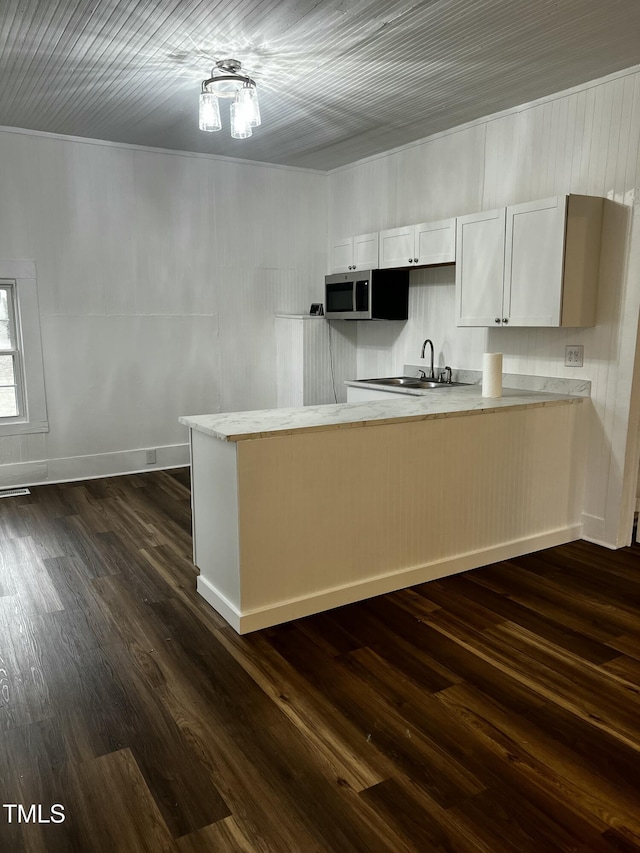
<point x="520" y="108"/>
<point x="85" y="140"/>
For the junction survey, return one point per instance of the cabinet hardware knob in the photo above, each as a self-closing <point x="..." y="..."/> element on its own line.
<point x="410" y="260"/>
<point x="497" y="320"/>
<point x="415" y="260"/>
<point x="505" y="319"/>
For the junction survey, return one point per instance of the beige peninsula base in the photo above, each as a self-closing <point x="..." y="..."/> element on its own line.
<point x="292" y="524"/>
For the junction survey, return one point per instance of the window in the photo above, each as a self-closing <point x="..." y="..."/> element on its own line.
<point x="22" y="396"/>
<point x="11" y="380"/>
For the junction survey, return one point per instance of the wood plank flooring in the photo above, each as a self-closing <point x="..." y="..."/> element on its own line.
<point x="493" y="711"/>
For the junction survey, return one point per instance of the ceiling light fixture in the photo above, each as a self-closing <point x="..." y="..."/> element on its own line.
<point x="244" y="111"/>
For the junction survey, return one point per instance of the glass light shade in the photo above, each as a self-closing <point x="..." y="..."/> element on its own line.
<point x="240" y="120"/>
<point x="248" y="97"/>
<point x="209" y="112"/>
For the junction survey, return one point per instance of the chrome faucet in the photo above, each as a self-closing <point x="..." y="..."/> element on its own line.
<point x="445" y="376"/>
<point x="432" y="375"/>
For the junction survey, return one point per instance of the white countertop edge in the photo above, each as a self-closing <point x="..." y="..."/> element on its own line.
<point x="300" y="316"/>
<point x="437" y="403"/>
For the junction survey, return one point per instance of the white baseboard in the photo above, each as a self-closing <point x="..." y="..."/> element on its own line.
<point x="286" y="611"/>
<point x="21" y="474"/>
<point x="75" y="468"/>
<point x="593" y="530"/>
<point x="223" y="606"/>
<point x="603" y="543"/>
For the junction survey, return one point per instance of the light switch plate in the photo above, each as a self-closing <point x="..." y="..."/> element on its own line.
<point x="574" y="355"/>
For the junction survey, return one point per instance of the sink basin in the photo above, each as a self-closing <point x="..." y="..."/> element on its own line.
<point x="395" y="380"/>
<point x="412" y="382"/>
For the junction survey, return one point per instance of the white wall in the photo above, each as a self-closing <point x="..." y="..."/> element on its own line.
<point x="159" y="276"/>
<point x="585" y="141"/>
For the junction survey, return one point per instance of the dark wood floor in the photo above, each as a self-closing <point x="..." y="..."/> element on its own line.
<point x="493" y="711"/>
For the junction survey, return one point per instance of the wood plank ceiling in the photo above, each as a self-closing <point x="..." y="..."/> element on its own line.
<point x="338" y="80"/>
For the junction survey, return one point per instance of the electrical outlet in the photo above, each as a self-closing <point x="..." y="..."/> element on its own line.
<point x="574" y="355"/>
<point x="151" y="457"/>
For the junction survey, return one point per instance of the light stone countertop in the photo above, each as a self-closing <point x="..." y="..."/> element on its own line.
<point x="436" y="403"/>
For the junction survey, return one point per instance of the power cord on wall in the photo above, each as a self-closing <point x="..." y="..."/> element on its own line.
<point x="333" y="378"/>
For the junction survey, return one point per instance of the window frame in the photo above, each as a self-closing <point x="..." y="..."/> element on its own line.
<point x="20" y="279"/>
<point x="9" y="286"/>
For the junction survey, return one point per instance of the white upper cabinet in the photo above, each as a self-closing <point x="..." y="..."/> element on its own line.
<point x="342" y="254"/>
<point x="532" y="264"/>
<point x="435" y="242"/>
<point x="418" y="245"/>
<point x="355" y="253"/>
<point x="397" y="247"/>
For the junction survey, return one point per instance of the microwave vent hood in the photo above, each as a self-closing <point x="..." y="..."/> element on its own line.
<point x="367" y="295"/>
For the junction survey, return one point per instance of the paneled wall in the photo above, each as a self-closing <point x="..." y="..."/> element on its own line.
<point x="584" y="141"/>
<point x="159" y="277"/>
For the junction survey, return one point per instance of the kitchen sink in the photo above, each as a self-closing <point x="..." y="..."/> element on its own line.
<point x="412" y="382"/>
<point x="394" y="380"/>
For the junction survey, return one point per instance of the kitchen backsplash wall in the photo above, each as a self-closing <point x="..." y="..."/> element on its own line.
<point x="159" y="276"/>
<point x="387" y="346"/>
<point x="585" y="141"/>
<point x="382" y="347"/>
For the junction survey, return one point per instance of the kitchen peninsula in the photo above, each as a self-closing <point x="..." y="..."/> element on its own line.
<point x="300" y="510"/>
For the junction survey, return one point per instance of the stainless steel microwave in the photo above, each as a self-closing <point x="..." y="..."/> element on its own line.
<point x="367" y="295"/>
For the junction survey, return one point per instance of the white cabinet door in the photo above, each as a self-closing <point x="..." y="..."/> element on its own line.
<point x="365" y="251"/>
<point x="342" y="254"/>
<point x="480" y="240"/>
<point x="534" y="257"/>
<point x="397" y="247"/>
<point x="435" y="242"/>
